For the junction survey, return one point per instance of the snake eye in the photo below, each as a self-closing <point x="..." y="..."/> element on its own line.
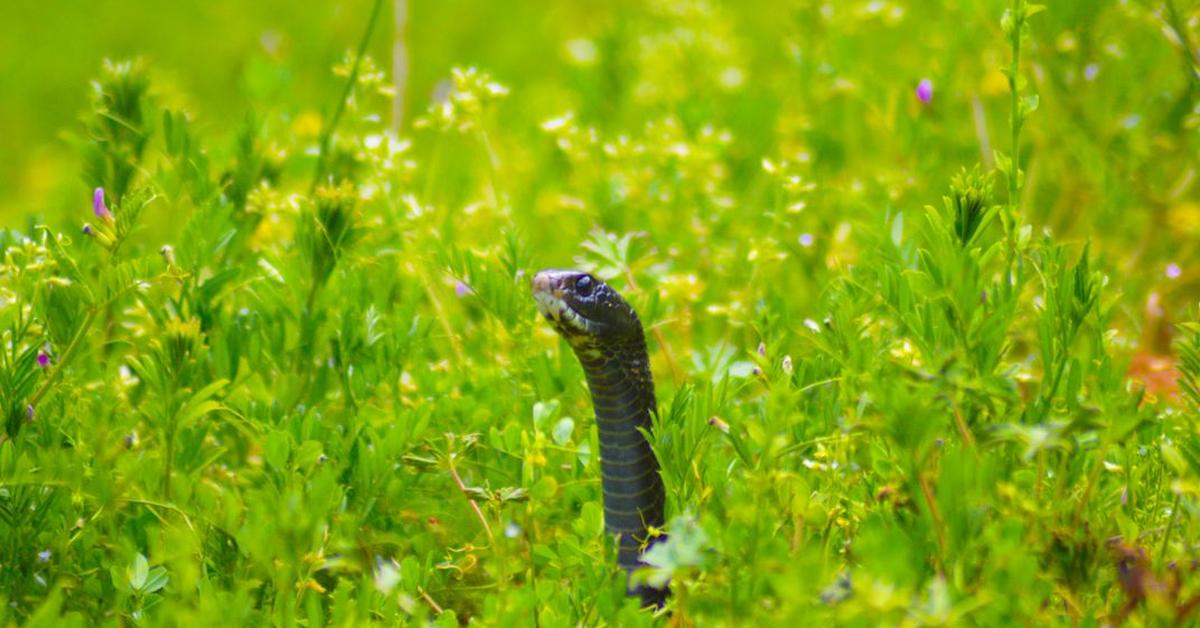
<point x="584" y="286"/>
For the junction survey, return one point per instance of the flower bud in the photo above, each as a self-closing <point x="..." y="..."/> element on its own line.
<point x="98" y="206"/>
<point x="925" y="91"/>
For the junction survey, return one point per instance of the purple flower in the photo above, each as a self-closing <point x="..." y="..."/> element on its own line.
<point x="925" y="91"/>
<point x="98" y="205"/>
<point x="29" y="412"/>
<point x="461" y="289"/>
<point x="44" y="556"/>
<point x="43" y="359"/>
<point x="87" y="228"/>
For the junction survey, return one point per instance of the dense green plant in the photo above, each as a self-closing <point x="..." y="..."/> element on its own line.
<point x="299" y="379"/>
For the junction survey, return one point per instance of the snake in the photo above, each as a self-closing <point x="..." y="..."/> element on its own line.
<point x="606" y="336"/>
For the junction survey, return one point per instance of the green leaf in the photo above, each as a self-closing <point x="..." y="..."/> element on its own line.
<point x="563" y="430"/>
<point x="1007" y="23"/>
<point x="156" y="580"/>
<point x="137" y="572"/>
<point x="1034" y="9"/>
<point x="591" y="521"/>
<point x="545" y="489"/>
<point x="1003" y="162"/>
<point x="544" y="411"/>
<point x="1074" y="384"/>
<point x="1029" y="104"/>
<point x="308" y="453"/>
<point x="199" y="404"/>
<point x="120" y="578"/>
<point x="686" y="546"/>
<point x="411" y="574"/>
<point x="277" y="450"/>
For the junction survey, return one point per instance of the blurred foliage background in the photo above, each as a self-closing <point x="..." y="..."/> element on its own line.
<point x="833" y="80"/>
<point x="291" y="373"/>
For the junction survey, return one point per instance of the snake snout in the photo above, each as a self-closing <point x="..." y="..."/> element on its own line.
<point x="548" y="294"/>
<point x="552" y="281"/>
<point x="554" y="292"/>
<point x="541" y="282"/>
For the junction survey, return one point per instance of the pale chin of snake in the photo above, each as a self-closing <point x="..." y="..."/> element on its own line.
<point x="559" y="312"/>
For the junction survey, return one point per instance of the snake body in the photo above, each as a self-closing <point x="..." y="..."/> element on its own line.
<point x="607" y="338"/>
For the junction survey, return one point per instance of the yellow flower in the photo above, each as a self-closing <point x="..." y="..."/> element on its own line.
<point x="271" y="229"/>
<point x="307" y="125"/>
<point x="1185" y="218"/>
<point x="994" y="83"/>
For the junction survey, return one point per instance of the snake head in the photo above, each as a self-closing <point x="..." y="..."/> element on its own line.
<point x="582" y="308"/>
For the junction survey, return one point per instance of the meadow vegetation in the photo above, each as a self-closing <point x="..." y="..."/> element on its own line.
<point x="919" y="280"/>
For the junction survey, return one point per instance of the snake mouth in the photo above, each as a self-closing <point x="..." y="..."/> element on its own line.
<point x="555" y="309"/>
<point x="551" y="301"/>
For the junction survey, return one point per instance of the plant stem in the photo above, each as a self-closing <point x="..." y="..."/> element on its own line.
<point x="1041" y="474"/>
<point x="939" y="524"/>
<point x="1191" y="60"/>
<point x="463" y="489"/>
<point x="1091" y="482"/>
<point x="493" y="169"/>
<point x="1014" y="186"/>
<point x="169" y="462"/>
<point x="963" y="432"/>
<point x="1042" y="405"/>
<point x="451" y="336"/>
<point x="327" y="132"/>
<point x="676" y="376"/>
<point x="1162" y="551"/>
<point x="1060" y="368"/>
<point x="66" y="358"/>
<point x="428" y="600"/>
<point x="399" y="62"/>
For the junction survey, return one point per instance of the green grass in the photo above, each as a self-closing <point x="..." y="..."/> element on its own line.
<point x="291" y="372"/>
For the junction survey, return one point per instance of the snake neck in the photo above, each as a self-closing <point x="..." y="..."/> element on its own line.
<point x="621" y="385"/>
<point x="622" y="391"/>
